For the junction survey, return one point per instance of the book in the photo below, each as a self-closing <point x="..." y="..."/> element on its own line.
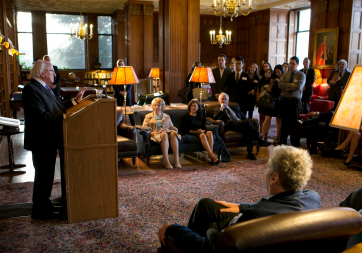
<point x="4" y="121"/>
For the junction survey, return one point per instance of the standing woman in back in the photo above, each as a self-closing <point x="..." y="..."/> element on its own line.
<point x="254" y="80"/>
<point x="262" y="89"/>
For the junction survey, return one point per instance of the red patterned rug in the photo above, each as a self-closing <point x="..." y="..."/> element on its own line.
<point x="152" y="198"/>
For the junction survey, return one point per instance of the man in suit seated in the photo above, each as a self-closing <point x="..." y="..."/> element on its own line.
<point x="308" y="87"/>
<point x="235" y="120"/>
<point x="289" y="170"/>
<point x="337" y="85"/>
<point x="43" y="136"/>
<point x="220" y="73"/>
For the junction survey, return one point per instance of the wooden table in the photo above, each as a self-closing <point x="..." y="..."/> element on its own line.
<point x="71" y="92"/>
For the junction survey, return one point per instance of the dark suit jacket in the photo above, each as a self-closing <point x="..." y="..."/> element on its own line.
<point x="118" y="88"/>
<point x="238" y="91"/>
<point x="43" y="113"/>
<point x="285" y="202"/>
<point x="220" y="84"/>
<point x="221" y="115"/>
<point x="56" y="91"/>
<point x="336" y="88"/>
<point x="309" y="80"/>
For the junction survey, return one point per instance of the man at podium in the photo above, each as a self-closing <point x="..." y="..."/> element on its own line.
<point x="43" y="135"/>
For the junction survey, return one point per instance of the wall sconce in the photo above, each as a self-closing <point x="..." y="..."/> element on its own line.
<point x="6" y="44"/>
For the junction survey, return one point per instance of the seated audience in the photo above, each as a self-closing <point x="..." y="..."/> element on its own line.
<point x="262" y="89"/>
<point x="353" y="138"/>
<point x="336" y="86"/>
<point x="288" y="172"/>
<point x="191" y="85"/>
<point x="163" y="132"/>
<point x="238" y="86"/>
<point x="235" y="120"/>
<point x="193" y="128"/>
<point x="276" y="111"/>
<point x="254" y="81"/>
<point x="286" y="67"/>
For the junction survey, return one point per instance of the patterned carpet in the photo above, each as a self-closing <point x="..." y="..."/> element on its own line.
<point x="152" y="198"/>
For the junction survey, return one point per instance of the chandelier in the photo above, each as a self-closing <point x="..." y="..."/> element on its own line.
<point x="230" y="8"/>
<point x="81" y="31"/>
<point x="221" y="39"/>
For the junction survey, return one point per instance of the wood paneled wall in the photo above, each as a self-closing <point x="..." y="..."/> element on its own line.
<point x="333" y="13"/>
<point x="179" y="37"/>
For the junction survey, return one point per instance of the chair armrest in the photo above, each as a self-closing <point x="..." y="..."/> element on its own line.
<point x="255" y="123"/>
<point x="127" y="131"/>
<point x="215" y="131"/>
<point x="146" y="138"/>
<point x="218" y="122"/>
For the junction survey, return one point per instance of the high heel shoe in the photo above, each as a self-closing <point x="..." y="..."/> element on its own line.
<point x="211" y="162"/>
<point x="348" y="163"/>
<point x="168" y="167"/>
<point x="177" y="166"/>
<point x="215" y="160"/>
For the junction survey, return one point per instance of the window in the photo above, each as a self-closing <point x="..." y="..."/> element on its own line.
<point x="25" y="39"/>
<point x="303" y="34"/>
<point x="105" y="41"/>
<point x="65" y="52"/>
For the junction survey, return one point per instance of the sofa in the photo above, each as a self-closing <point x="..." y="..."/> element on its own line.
<point x="126" y="138"/>
<point x="318" y="230"/>
<point x="230" y="138"/>
<point x="320" y="91"/>
<point x="147" y="148"/>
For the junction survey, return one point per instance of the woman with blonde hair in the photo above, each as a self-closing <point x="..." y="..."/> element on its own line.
<point x="163" y="132"/>
<point x="254" y="79"/>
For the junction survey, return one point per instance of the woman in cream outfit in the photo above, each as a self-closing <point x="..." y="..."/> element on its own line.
<point x="163" y="131"/>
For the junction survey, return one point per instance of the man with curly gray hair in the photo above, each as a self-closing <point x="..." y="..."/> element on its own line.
<point x="288" y="172"/>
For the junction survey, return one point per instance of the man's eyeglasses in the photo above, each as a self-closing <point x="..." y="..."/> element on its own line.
<point x="51" y="70"/>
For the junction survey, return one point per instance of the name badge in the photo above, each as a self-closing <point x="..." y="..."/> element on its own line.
<point x="244" y="78"/>
<point x="295" y="80"/>
<point x="255" y="81"/>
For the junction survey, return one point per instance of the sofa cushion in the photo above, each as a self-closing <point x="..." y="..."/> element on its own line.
<point x="125" y="144"/>
<point x="232" y="136"/>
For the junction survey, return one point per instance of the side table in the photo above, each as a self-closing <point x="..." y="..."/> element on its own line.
<point x="9" y="133"/>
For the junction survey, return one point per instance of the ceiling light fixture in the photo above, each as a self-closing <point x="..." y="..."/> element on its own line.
<point x="81" y="32"/>
<point x="230" y="8"/>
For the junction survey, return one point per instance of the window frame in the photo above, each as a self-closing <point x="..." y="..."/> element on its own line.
<point x="298" y="31"/>
<point x="106" y="34"/>
<point x="85" y="20"/>
<point x="32" y="34"/>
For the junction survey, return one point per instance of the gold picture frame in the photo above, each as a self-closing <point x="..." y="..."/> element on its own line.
<point x="325" y="48"/>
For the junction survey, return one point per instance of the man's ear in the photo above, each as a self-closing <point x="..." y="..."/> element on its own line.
<point x="274" y="178"/>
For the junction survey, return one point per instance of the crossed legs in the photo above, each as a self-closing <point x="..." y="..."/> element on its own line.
<point x="207" y="141"/>
<point x="353" y="138"/>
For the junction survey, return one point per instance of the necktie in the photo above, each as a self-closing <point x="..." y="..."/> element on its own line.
<point x="340" y="74"/>
<point x="231" y="114"/>
<point x="48" y="88"/>
<point x="291" y="77"/>
<point x="237" y="77"/>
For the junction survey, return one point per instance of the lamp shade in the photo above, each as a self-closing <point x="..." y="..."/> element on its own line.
<point x="349" y="110"/>
<point x="202" y="75"/>
<point x="124" y="75"/>
<point x="154" y="73"/>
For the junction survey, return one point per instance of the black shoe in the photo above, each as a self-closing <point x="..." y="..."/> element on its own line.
<point x="263" y="143"/>
<point x="251" y="156"/>
<point x="349" y="163"/>
<point x="45" y="215"/>
<point x="313" y="151"/>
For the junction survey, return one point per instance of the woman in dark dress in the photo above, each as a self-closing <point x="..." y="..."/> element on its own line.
<point x="261" y="90"/>
<point x="276" y="111"/>
<point x="193" y="127"/>
<point x="254" y="80"/>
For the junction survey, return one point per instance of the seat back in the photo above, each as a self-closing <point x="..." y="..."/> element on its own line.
<point x="210" y="106"/>
<point x="119" y="119"/>
<point x="323" y="91"/>
<point x="321" y="105"/>
<point x="316" y="88"/>
<point x="319" y="230"/>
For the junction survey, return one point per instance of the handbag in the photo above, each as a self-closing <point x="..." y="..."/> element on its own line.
<point x="225" y="155"/>
<point x="266" y="102"/>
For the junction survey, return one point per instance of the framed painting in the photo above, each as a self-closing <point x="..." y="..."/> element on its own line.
<point x="325" y="48"/>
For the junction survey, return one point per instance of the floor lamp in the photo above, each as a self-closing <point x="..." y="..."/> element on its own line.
<point x="124" y="75"/>
<point x="348" y="114"/>
<point x="202" y="75"/>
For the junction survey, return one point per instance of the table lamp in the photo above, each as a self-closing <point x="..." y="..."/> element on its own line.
<point x="124" y="75"/>
<point x="155" y="74"/>
<point x="348" y="114"/>
<point x="202" y="75"/>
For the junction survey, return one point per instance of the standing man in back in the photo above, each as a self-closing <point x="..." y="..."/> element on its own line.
<point x="308" y="87"/>
<point x="220" y="74"/>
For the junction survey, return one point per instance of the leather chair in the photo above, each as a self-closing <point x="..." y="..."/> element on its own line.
<point x="126" y="138"/>
<point x="230" y="138"/>
<point x="148" y="148"/>
<point x="320" y="91"/>
<point x="319" y="230"/>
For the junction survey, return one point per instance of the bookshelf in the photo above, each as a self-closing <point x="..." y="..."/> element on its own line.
<point x="98" y="78"/>
<point x="24" y="77"/>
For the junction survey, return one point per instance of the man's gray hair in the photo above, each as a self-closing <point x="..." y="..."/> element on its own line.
<point x="37" y="68"/>
<point x="345" y="64"/>
<point x="45" y="56"/>
<point x="226" y="95"/>
<point x="293" y="165"/>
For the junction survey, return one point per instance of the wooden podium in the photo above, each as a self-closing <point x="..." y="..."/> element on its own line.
<point x="90" y="160"/>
